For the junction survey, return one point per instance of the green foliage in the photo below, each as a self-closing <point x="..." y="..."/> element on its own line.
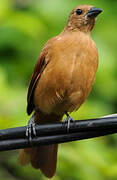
<point x="25" y="26"/>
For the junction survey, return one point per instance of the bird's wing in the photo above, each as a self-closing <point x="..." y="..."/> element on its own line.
<point x="39" y="67"/>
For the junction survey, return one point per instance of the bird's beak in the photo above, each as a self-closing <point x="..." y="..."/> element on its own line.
<point x="93" y="12"/>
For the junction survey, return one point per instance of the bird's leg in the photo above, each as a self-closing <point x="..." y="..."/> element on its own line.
<point x="31" y="131"/>
<point x="68" y="120"/>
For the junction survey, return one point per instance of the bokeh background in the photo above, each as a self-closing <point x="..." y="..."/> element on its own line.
<point x="25" y="26"/>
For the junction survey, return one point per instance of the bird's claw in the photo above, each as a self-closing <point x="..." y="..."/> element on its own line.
<point x="30" y="130"/>
<point x="68" y="120"/>
<point x="33" y="129"/>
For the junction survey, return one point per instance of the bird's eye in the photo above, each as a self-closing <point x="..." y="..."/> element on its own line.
<point x="79" y="11"/>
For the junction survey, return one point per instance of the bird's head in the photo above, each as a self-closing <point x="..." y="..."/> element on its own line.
<point x="83" y="18"/>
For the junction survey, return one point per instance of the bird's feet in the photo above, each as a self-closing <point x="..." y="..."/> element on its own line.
<point x="31" y="131"/>
<point x="68" y="120"/>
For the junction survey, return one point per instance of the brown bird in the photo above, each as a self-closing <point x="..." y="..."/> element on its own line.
<point x="62" y="79"/>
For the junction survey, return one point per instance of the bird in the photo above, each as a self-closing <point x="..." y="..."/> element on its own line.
<point x="62" y="79"/>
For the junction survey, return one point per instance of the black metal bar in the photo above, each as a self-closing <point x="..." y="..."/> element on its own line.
<point x="54" y="139"/>
<point x="109" y="123"/>
<point x="15" y="138"/>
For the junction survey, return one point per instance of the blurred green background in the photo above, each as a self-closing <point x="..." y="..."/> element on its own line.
<point x="25" y="26"/>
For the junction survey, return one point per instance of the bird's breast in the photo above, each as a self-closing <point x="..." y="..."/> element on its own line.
<point x="68" y="78"/>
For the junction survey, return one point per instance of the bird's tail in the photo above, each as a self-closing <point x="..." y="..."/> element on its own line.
<point x="43" y="157"/>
